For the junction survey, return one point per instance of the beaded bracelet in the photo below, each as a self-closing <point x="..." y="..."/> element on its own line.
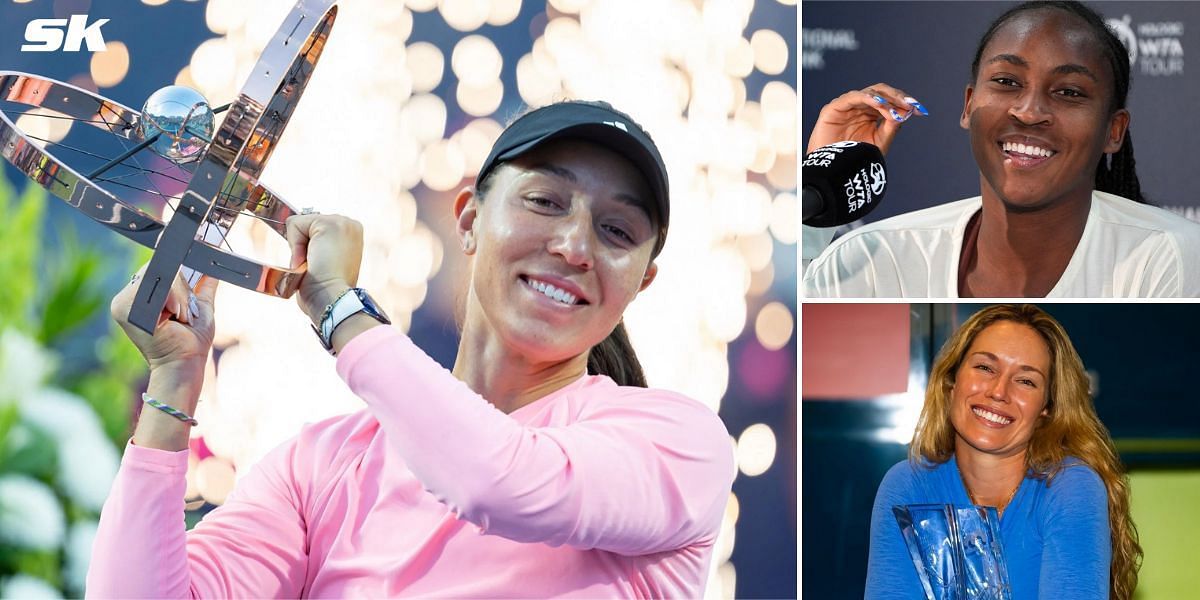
<point x="186" y="418"/>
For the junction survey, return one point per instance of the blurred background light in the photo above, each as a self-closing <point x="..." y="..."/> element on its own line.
<point x="770" y="51"/>
<point x="480" y="100"/>
<point x="465" y="15"/>
<point x="426" y="64"/>
<point x="756" y="449"/>
<point x="503" y="12"/>
<point x="476" y="61"/>
<point x="110" y="66"/>
<point x="36" y="124"/>
<point x="774" y="326"/>
<point x="421" y="5"/>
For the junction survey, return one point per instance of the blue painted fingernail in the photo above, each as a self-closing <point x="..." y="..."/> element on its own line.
<point x="898" y="116"/>
<point x="879" y="99"/>
<point x="916" y="105"/>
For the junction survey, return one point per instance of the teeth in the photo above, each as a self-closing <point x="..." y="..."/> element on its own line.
<point x="1027" y="150"/>
<point x="552" y="292"/>
<point x="991" y="416"/>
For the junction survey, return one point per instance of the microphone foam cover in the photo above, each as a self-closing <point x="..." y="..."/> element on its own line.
<point x="851" y="177"/>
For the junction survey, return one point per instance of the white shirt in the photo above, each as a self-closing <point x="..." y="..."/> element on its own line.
<point x="1127" y="250"/>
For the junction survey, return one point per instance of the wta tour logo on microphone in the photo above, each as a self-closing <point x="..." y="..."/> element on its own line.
<point x="823" y="156"/>
<point x="843" y="181"/>
<point x="863" y="186"/>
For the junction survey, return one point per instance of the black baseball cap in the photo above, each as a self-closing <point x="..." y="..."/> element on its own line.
<point x="591" y="121"/>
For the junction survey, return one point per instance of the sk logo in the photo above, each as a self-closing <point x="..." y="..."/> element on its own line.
<point x="48" y="35"/>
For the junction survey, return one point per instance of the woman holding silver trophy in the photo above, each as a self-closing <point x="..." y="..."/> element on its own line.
<point x="541" y="466"/>
<point x="1007" y="423"/>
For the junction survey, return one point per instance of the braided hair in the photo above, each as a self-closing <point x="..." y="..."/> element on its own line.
<point x="1116" y="174"/>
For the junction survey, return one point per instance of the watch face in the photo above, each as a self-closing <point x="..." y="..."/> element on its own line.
<point x="371" y="308"/>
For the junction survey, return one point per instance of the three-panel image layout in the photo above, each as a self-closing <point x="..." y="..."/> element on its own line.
<point x="999" y="315"/>
<point x="399" y="299"/>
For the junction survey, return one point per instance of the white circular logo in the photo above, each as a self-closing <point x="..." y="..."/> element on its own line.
<point x="878" y="178"/>
<point x="1124" y="31"/>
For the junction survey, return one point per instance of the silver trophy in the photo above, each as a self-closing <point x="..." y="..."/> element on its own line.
<point x="217" y="164"/>
<point x="956" y="550"/>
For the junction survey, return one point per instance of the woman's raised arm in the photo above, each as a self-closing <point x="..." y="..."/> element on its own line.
<point x="636" y="473"/>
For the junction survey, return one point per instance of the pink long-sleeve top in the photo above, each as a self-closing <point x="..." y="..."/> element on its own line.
<point x="595" y="490"/>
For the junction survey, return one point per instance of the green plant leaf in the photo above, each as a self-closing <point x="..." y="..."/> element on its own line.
<point x="112" y="399"/>
<point x="8" y="418"/>
<point x="72" y="295"/>
<point x="110" y="391"/>
<point x="44" y="564"/>
<point x="31" y="451"/>
<point x="21" y="232"/>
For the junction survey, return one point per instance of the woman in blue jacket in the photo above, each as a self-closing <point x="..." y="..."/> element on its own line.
<point x="1008" y="422"/>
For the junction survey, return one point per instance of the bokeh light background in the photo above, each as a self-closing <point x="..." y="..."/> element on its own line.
<point x="403" y="107"/>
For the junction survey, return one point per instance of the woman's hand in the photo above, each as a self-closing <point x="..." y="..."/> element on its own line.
<point x="182" y="340"/>
<point x="873" y="115"/>
<point x="332" y="246"/>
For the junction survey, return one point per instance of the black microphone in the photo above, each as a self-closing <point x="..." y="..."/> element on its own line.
<point x="842" y="183"/>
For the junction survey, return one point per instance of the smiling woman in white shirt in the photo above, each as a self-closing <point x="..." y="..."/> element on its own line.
<point x="1060" y="211"/>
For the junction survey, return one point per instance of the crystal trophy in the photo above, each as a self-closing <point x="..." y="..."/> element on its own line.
<point x="956" y="550"/>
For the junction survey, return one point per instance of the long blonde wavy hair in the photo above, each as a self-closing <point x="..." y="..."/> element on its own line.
<point x="1070" y="428"/>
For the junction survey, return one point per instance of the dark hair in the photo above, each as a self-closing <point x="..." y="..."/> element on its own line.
<point x="1115" y="175"/>
<point x="614" y="356"/>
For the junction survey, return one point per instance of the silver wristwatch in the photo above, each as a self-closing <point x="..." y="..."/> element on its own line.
<point x="350" y="303"/>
